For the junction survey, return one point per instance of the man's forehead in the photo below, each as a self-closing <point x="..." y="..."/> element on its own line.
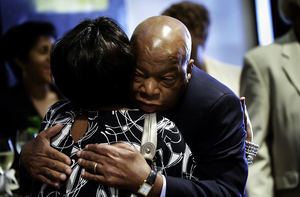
<point x="160" y="67"/>
<point x="161" y="50"/>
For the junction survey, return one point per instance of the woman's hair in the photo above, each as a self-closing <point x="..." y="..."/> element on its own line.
<point x="20" y="39"/>
<point x="93" y="63"/>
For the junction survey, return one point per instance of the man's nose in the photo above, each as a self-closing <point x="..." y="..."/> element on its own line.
<point x="150" y="87"/>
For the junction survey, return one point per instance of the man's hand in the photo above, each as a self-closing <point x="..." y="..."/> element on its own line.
<point x="248" y="125"/>
<point x="119" y="165"/>
<point x="42" y="162"/>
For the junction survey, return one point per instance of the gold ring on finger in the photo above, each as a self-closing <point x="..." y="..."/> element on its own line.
<point x="95" y="168"/>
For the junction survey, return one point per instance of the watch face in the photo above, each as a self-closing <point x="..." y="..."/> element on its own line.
<point x="144" y="189"/>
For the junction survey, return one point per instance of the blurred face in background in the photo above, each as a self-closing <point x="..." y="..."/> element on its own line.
<point x="37" y="68"/>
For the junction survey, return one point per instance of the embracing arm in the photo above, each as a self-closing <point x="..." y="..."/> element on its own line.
<point x="42" y="162"/>
<point x="247" y="121"/>
<point x="118" y="162"/>
<point x="118" y="165"/>
<point x="255" y="88"/>
<point x="221" y="170"/>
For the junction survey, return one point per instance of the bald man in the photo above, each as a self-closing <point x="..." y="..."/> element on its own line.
<point x="208" y="114"/>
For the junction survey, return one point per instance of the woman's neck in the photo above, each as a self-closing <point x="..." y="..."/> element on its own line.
<point x="36" y="90"/>
<point x="40" y="95"/>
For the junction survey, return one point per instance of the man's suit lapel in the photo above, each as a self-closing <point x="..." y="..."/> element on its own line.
<point x="291" y="61"/>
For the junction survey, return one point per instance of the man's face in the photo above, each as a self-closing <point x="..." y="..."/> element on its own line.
<point x="159" y="81"/>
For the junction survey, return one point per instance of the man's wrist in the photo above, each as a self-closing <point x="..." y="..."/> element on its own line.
<point x="147" y="185"/>
<point x="164" y="187"/>
<point x="158" y="186"/>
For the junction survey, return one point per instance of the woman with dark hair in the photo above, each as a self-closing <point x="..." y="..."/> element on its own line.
<point x="93" y="65"/>
<point x="26" y="48"/>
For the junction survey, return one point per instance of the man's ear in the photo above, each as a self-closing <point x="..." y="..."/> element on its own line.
<point x="190" y="69"/>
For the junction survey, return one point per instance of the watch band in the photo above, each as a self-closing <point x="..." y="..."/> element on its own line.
<point x="151" y="178"/>
<point x="148" y="184"/>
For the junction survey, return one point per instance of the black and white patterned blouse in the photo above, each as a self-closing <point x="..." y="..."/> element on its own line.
<point x="108" y="127"/>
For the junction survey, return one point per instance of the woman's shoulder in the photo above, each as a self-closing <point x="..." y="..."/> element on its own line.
<point x="62" y="106"/>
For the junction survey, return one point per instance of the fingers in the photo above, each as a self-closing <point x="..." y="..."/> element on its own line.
<point x="119" y="165"/>
<point x="91" y="156"/>
<point x="122" y="146"/>
<point x="42" y="144"/>
<point x="49" y="176"/>
<point x="107" y="174"/>
<point x="87" y="159"/>
<point x="44" y="163"/>
<point x="94" y="177"/>
<point x="90" y="166"/>
<point x="41" y="169"/>
<point x="248" y="125"/>
<point x="51" y="131"/>
<point x="46" y="167"/>
<point x="112" y="149"/>
<point x="103" y="173"/>
<point x="55" y="155"/>
<point x="58" y="167"/>
<point x="99" y="148"/>
<point x="47" y="181"/>
<point x="242" y="99"/>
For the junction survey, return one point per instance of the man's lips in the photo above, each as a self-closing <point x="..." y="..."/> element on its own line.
<point x="148" y="107"/>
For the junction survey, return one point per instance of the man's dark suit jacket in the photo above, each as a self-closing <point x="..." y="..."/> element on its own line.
<point x="210" y="118"/>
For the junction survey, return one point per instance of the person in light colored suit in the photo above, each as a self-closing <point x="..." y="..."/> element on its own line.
<point x="197" y="21"/>
<point x="227" y="74"/>
<point x="271" y="83"/>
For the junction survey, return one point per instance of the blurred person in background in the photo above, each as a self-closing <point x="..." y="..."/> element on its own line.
<point x="270" y="81"/>
<point x="196" y="18"/>
<point x="26" y="48"/>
